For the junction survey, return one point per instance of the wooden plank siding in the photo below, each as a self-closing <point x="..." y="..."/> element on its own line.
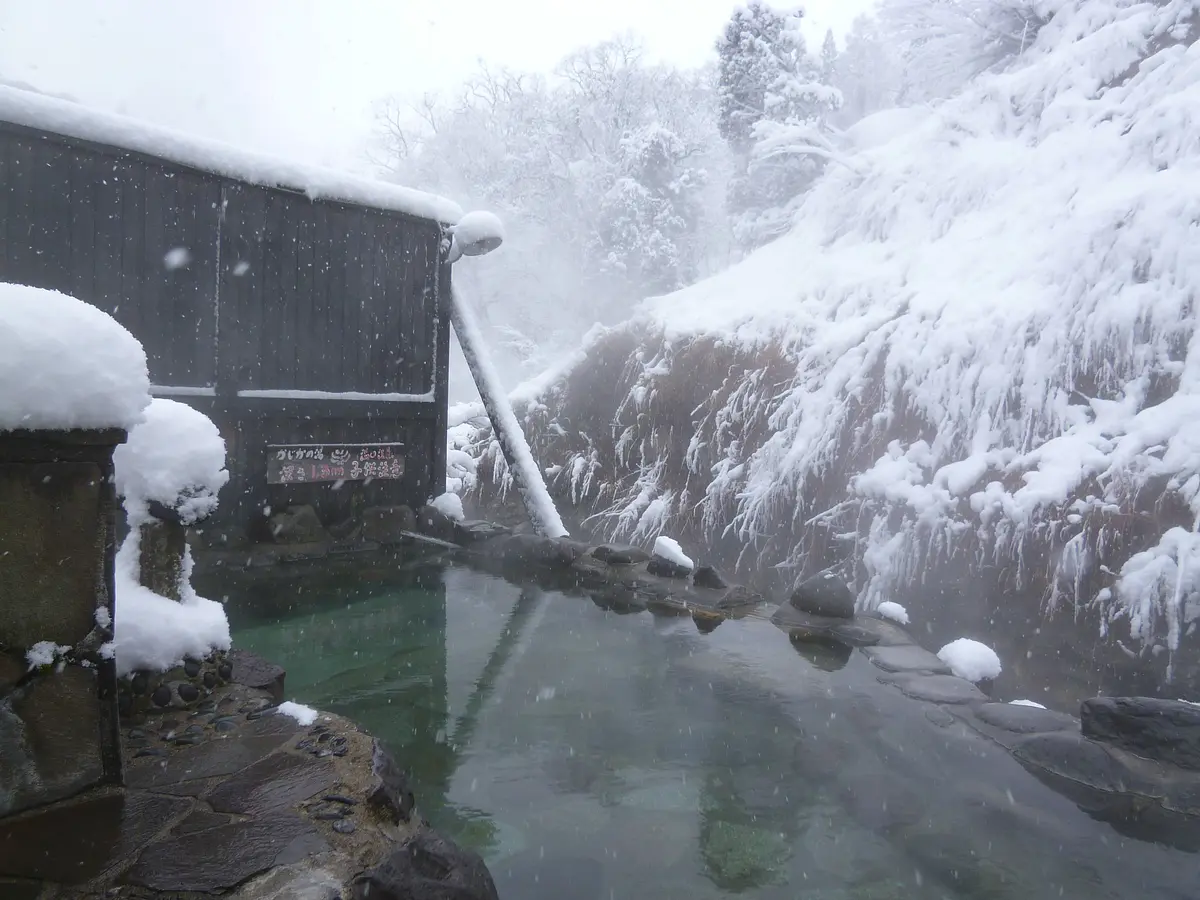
<point x="278" y="293"/>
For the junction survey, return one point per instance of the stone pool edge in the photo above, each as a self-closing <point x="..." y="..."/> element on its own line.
<point x="1132" y="761"/>
<point x="233" y="797"/>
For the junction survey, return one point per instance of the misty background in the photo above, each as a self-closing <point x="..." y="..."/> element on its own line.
<point x="626" y="155"/>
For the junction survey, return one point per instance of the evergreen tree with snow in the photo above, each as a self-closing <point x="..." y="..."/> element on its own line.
<point x="829" y="57"/>
<point x="773" y="108"/>
<point x="647" y="221"/>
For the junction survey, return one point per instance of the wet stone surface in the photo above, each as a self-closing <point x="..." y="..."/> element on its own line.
<point x="228" y="797"/>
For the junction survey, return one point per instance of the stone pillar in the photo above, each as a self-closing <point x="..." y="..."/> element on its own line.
<point x="58" y="712"/>
<point x="162" y="544"/>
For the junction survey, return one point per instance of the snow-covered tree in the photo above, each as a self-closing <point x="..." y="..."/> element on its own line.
<point x="829" y="57"/>
<point x="646" y="229"/>
<point x="868" y="72"/>
<point x="946" y="43"/>
<point x="768" y="81"/>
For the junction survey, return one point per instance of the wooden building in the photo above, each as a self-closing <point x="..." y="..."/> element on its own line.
<point x="306" y="312"/>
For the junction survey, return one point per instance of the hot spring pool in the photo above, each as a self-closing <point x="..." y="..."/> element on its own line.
<point x="588" y="755"/>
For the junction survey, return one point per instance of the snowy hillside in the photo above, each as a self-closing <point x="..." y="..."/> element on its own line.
<point x="978" y="339"/>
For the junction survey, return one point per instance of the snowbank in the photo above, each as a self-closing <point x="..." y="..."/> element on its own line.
<point x="175" y="457"/>
<point x="979" y="341"/>
<point x="155" y="632"/>
<point x="970" y="659"/>
<point x="65" y="364"/>
<point x="64" y="117"/>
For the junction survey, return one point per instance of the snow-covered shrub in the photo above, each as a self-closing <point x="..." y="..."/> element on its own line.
<point x="974" y="350"/>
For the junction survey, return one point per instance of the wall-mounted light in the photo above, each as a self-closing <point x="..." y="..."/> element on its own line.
<point x="475" y="234"/>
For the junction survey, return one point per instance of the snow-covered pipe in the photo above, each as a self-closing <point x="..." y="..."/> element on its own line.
<point x="528" y="480"/>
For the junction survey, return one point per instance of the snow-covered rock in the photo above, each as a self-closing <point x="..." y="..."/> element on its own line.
<point x="304" y="715"/>
<point x="971" y="660"/>
<point x="1031" y="703"/>
<point x="175" y="457"/>
<point x="449" y="505"/>
<point x="65" y="364"/>
<point x="891" y="610"/>
<point x="668" y="550"/>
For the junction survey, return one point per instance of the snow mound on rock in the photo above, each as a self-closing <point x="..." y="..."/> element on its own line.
<point x="65" y="364"/>
<point x="970" y="659"/>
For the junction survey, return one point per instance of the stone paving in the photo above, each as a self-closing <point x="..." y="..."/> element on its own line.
<point x="231" y="798"/>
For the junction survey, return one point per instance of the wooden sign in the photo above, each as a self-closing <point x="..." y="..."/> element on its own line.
<point x="304" y="463"/>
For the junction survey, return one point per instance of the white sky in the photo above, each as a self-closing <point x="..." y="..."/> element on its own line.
<point x="298" y="77"/>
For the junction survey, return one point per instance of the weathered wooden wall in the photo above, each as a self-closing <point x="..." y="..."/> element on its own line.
<point x="279" y="293"/>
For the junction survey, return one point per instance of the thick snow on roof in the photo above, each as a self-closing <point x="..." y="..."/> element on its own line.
<point x="175" y="457"/>
<point x="65" y="364"/>
<point x="48" y="113"/>
<point x="1015" y="272"/>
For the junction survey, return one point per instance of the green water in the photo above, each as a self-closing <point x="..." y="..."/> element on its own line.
<point x="588" y="755"/>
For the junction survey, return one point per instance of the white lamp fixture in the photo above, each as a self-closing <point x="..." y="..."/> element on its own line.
<point x="475" y="234"/>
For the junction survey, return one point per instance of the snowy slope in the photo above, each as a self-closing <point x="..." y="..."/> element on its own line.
<point x="990" y="327"/>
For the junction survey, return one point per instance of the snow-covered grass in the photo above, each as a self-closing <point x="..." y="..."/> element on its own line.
<point x="668" y="549"/>
<point x="971" y="660"/>
<point x="65" y="364"/>
<point x="977" y="344"/>
<point x="175" y="457"/>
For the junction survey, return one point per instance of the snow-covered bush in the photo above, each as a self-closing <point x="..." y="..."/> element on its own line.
<point x="975" y="348"/>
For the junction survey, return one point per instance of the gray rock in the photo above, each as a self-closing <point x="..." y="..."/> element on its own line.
<point x="620" y="555"/>
<point x="802" y="626"/>
<point x="231" y="854"/>
<point x="1025" y="719"/>
<point x="390" y="793"/>
<point x="427" y="867"/>
<point x="1076" y="758"/>
<point x="824" y="595"/>
<point x="297" y="525"/>
<point x="273" y="784"/>
<point x="738" y="597"/>
<point x="708" y="577"/>
<point x="435" y="523"/>
<point x="476" y="531"/>
<point x="1165" y="730"/>
<point x="889" y="633"/>
<point x="665" y="568"/>
<point x="255" y="672"/>
<point x="935" y="688"/>
<point x="533" y="549"/>
<point x="387" y="524"/>
<point x="907" y="659"/>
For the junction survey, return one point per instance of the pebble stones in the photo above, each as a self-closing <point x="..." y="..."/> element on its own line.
<point x="161" y="696"/>
<point x="188" y="693"/>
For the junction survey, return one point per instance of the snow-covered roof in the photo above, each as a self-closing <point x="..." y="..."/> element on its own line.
<point x="65" y="364"/>
<point x="41" y="111"/>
